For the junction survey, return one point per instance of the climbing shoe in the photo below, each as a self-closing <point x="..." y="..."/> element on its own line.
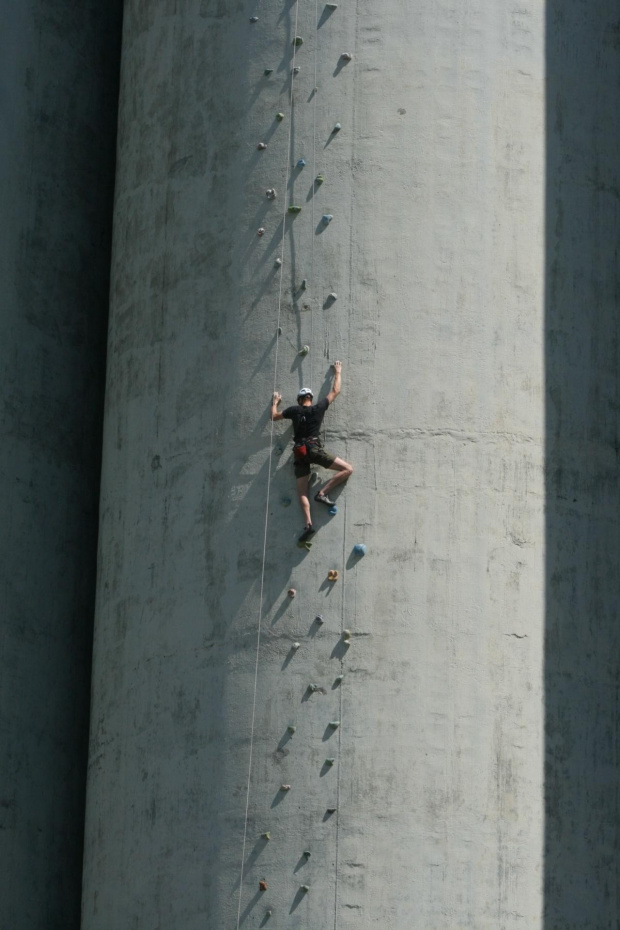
<point x="307" y="533"/>
<point x="323" y="499"/>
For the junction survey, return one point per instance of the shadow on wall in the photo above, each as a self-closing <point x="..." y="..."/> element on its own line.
<point x="582" y="888"/>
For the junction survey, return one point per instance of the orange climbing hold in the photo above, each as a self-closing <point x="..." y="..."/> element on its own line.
<point x="332" y="575"/>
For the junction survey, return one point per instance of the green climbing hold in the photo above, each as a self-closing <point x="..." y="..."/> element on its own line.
<point x="279" y="117"/>
<point x="304" y="350"/>
<point x="293" y="209"/>
<point x="329" y="762"/>
<point x="334" y="724"/>
<point x="291" y="729"/>
<point x="305" y="888"/>
<point x="266" y="836"/>
<point x="307" y="853"/>
<point x="319" y="179"/>
<point x="339" y="679"/>
<point x="298" y="41"/>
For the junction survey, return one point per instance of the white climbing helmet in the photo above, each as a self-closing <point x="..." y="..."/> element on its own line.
<point x="305" y="392"/>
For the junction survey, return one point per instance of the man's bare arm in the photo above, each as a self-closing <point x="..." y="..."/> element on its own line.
<point x="335" y="391"/>
<point x="274" y="407"/>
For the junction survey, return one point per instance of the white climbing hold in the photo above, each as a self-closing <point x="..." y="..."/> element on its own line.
<point x="278" y="262"/>
<point x="334" y="724"/>
<point x="295" y="646"/>
<point x="346" y="56"/>
<point x="304" y="350"/>
<point x="333" y="296"/>
<point x="253" y="19"/>
<point x="271" y="193"/>
<point x="327" y="218"/>
<point x="331" y="6"/>
<point x="279" y="117"/>
<point x="261" y="146"/>
<point x="285" y="787"/>
<point x="337" y="128"/>
<point x="260" y="232"/>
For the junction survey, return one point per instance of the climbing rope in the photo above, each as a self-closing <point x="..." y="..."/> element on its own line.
<point x="269" y="471"/>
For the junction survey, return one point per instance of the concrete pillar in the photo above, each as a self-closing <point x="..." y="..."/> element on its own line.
<point x="59" y="78"/>
<point x="436" y="250"/>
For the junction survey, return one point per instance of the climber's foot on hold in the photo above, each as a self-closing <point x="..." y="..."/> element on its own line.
<point x="307" y="533"/>
<point x="323" y="499"/>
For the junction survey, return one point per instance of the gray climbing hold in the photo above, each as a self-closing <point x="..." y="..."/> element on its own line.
<point x="327" y="218"/>
<point x="268" y="913"/>
<point x="304" y="284"/>
<point x="305" y="888"/>
<point x="261" y="146"/>
<point x="301" y="163"/>
<point x="319" y="619"/>
<point x="331" y="6"/>
<point x="332" y="810"/>
<point x="334" y="724"/>
<point x="333" y="296"/>
<point x="266" y="836"/>
<point x="291" y="592"/>
<point x="294" y="209"/>
<point x="279" y="117"/>
<point x="347" y="634"/>
<point x="291" y="729"/>
<point x="271" y="193"/>
<point x="337" y="128"/>
<point x="298" y="41"/>
<point x="277" y="263"/>
<point x="260" y="232"/>
<point x="319" y="179"/>
<point x="333" y="510"/>
<point x="329" y="762"/>
<point x="346" y="56"/>
<point x="314" y="687"/>
<point x="307" y="853"/>
<point x="359" y="549"/>
<point x="304" y="350"/>
<point x="268" y="71"/>
<point x="253" y="19"/>
<point x="339" y="679"/>
<point x="296" y="69"/>
<point x="295" y="646"/>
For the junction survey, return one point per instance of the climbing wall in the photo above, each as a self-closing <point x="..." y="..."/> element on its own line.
<point x="300" y="183"/>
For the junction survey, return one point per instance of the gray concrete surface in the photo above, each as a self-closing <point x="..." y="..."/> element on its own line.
<point x="438" y="253"/>
<point x="58" y="88"/>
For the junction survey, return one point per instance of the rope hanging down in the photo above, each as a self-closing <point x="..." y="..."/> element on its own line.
<point x="264" y="556"/>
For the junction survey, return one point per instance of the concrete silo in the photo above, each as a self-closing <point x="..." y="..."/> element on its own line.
<point x="58" y="101"/>
<point x="432" y="814"/>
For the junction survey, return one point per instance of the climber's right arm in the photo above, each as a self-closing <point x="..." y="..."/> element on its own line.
<point x="274" y="407"/>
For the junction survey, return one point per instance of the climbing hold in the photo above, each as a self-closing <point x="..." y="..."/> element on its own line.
<point x="346" y="56"/>
<point x="332" y="575"/>
<point x="262" y="885"/>
<point x="285" y="500"/>
<point x="319" y="179"/>
<point x="332" y="810"/>
<point x="331" y="6"/>
<point x="277" y="263"/>
<point x="293" y="209"/>
<point x="333" y="510"/>
<point x="268" y="914"/>
<point x="295" y="646"/>
<point x="329" y="762"/>
<point x="304" y="284"/>
<point x="314" y="688"/>
<point x="301" y="163"/>
<point x="359" y="549"/>
<point x="271" y="193"/>
<point x="291" y="729"/>
<point x="337" y="127"/>
<point x="333" y="296"/>
<point x="334" y="724"/>
<point x="268" y="71"/>
<point x="261" y="146"/>
<point x="347" y="634"/>
<point x="253" y="19"/>
<point x="296" y="70"/>
<point x="279" y="117"/>
<point x="327" y="218"/>
<point x="307" y="853"/>
<point x="304" y="350"/>
<point x="338" y="679"/>
<point x="305" y="888"/>
<point x="285" y="787"/>
<point x="319" y="619"/>
<point x="292" y="592"/>
<point x="298" y="41"/>
<point x="266" y="836"/>
<point x="260" y="232"/>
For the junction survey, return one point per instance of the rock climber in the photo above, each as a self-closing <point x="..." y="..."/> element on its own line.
<point x="307" y="446"/>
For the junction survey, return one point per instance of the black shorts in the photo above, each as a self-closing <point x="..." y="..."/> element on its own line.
<point x="318" y="456"/>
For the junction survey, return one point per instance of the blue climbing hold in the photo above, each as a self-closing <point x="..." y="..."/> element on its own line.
<point x="301" y="163"/>
<point x="359" y="549"/>
<point x="327" y="218"/>
<point x="333" y="510"/>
